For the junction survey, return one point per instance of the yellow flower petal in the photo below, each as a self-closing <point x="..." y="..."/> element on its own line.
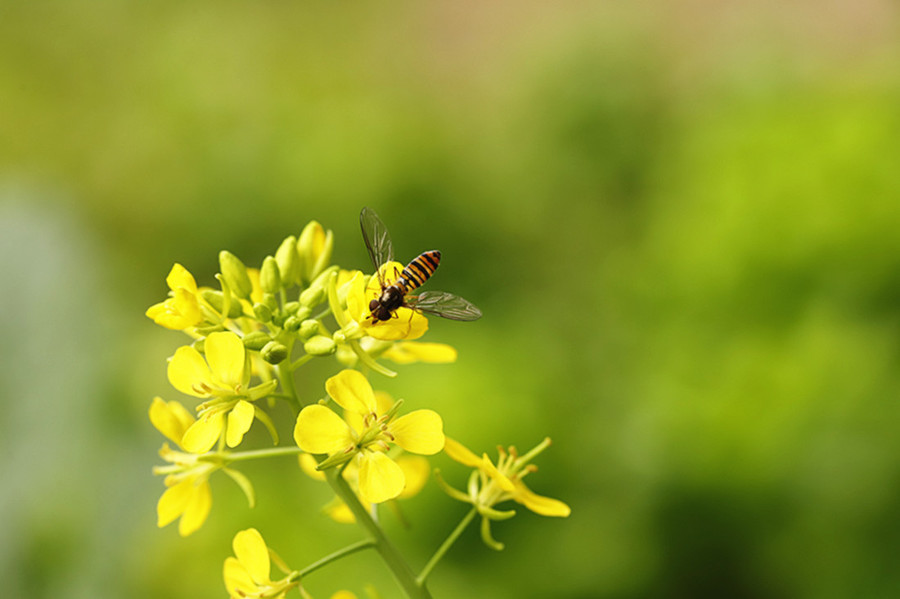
<point x="196" y="510"/>
<point x="225" y="354"/>
<point x="459" y="452"/>
<point x="185" y="307"/>
<point x="171" y="419"/>
<point x="545" y="506"/>
<point x="178" y="312"/>
<point x="356" y="421"/>
<point x="173" y="502"/>
<point x="380" y="478"/>
<point x="416" y="470"/>
<point x="383" y="402"/>
<point x="343" y="595"/>
<point x="344" y="277"/>
<point x="239" y="420"/>
<point x="351" y="391"/>
<point x="487" y="466"/>
<point x="204" y="433"/>
<point x="180" y="278"/>
<point x="189" y="373"/>
<point x="308" y="464"/>
<point x="237" y="580"/>
<point x="156" y="312"/>
<point x="404" y="324"/>
<point x="251" y="551"/>
<point x="357" y="302"/>
<point x="432" y="353"/>
<point x="420" y="431"/>
<point x="319" y="430"/>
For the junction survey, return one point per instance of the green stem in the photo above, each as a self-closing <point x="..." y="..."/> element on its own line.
<point x="368" y="360"/>
<point x="340" y="553"/>
<point x="389" y="553"/>
<point x="301" y="361"/>
<point x="261" y="453"/>
<point x="286" y="377"/>
<point x="445" y="546"/>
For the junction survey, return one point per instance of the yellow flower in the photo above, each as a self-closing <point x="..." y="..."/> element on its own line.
<point x="187" y="475"/>
<point x="222" y="378"/>
<point x="366" y="434"/>
<point x="405" y="323"/>
<point x="182" y="309"/>
<point x="363" y="338"/>
<point x="249" y="573"/>
<point x="493" y="484"/>
<point x="187" y="495"/>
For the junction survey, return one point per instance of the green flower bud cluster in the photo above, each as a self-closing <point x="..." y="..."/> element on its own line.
<point x="270" y="308"/>
<point x="300" y="262"/>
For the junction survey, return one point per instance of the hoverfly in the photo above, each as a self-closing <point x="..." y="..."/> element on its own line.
<point x="439" y="303"/>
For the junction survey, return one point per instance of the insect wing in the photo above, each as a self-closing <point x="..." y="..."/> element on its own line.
<point x="445" y="305"/>
<point x="377" y="238"/>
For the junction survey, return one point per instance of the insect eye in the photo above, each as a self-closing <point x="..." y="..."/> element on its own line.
<point x="372" y="305"/>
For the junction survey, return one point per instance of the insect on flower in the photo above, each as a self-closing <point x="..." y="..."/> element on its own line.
<point x="395" y="295"/>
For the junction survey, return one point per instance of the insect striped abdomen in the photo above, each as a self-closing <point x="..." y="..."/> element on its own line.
<point x="419" y="270"/>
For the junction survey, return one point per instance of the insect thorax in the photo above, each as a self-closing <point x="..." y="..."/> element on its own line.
<point x="390" y="299"/>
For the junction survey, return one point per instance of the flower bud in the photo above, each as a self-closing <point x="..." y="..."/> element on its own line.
<point x="270" y="276"/>
<point x="270" y="301"/>
<point x="292" y="324"/>
<point x="288" y="262"/>
<point x="317" y="291"/>
<point x="291" y="307"/>
<point x="346" y="356"/>
<point x="263" y="312"/>
<point x="273" y="352"/>
<point x="314" y="250"/>
<point x="308" y="328"/>
<point x="235" y="274"/>
<point x="313" y="296"/>
<point x="256" y="340"/>
<point x="320" y="345"/>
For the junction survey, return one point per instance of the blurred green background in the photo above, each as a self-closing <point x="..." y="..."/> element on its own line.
<point x="682" y="222"/>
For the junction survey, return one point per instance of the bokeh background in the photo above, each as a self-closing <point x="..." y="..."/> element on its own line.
<point x="682" y="222"/>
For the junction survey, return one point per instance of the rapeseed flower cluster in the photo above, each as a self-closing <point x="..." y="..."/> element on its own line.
<point x="246" y="339"/>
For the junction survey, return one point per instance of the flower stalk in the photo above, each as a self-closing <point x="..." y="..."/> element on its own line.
<point x="445" y="546"/>
<point x="398" y="566"/>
